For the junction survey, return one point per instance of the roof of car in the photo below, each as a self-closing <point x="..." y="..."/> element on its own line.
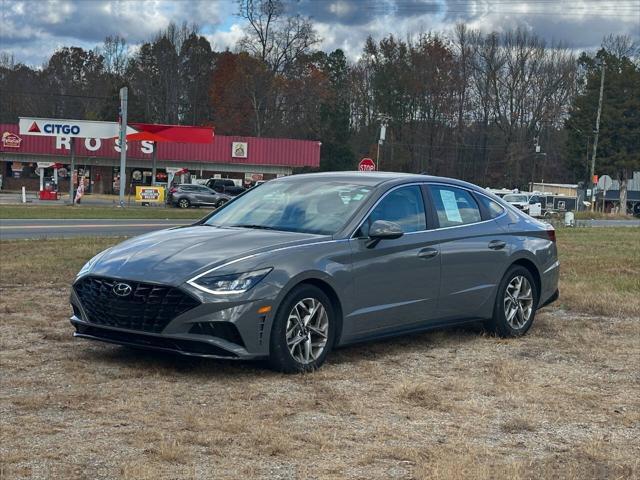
<point x="378" y="178"/>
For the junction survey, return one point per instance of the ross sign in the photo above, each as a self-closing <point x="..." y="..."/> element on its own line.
<point x="150" y="194"/>
<point x="11" y="140"/>
<point x="366" y="165"/>
<point x="57" y="127"/>
<point x="239" y="149"/>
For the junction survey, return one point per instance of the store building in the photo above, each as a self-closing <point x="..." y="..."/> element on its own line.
<point x="243" y="159"/>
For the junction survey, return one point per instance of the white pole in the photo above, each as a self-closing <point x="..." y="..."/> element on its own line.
<point x="24" y="195"/>
<point x="123" y="142"/>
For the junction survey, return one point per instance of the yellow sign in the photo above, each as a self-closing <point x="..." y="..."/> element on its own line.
<point x="150" y="194"/>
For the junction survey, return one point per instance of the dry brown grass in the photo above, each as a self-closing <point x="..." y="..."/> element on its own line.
<point x="560" y="403"/>
<point x="600" y="270"/>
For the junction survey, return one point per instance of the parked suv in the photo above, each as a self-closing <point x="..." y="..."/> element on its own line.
<point x="189" y="195"/>
<point x="224" y="185"/>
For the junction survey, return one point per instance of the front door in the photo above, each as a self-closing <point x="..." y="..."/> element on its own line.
<point x="396" y="281"/>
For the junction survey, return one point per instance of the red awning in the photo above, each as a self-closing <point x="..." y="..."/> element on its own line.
<point x="170" y="133"/>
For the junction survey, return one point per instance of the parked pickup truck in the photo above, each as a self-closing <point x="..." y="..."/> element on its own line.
<point x="224" y="185"/>
<point x="527" y="202"/>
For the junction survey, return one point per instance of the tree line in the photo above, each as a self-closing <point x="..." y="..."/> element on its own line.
<point x="498" y="109"/>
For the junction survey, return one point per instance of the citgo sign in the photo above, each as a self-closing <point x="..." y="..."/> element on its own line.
<point x="55" y="127"/>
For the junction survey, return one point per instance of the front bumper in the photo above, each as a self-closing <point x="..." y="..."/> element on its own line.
<point x="188" y="345"/>
<point x="215" y="328"/>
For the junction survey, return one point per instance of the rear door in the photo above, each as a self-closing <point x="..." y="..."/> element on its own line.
<point x="474" y="251"/>
<point x="205" y="195"/>
<point x="396" y="281"/>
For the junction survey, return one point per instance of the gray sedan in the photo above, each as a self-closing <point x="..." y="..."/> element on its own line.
<point x="307" y="263"/>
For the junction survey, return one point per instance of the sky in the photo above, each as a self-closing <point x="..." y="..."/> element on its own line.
<point x="32" y="30"/>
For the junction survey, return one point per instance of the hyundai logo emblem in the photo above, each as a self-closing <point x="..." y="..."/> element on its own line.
<point x="122" y="289"/>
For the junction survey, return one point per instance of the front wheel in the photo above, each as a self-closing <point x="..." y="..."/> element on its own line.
<point x="516" y="303"/>
<point x="303" y="331"/>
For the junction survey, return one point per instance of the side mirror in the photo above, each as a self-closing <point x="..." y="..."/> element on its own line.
<point x="383" y="230"/>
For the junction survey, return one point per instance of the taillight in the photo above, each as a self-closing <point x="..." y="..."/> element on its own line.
<point x="173" y="190"/>
<point x="551" y="233"/>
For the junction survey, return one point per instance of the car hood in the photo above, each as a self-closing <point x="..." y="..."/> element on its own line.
<point x="175" y="255"/>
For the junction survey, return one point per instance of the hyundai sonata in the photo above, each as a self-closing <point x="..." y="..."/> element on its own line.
<point x="307" y="263"/>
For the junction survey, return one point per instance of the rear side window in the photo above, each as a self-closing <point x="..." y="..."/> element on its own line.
<point x="403" y="206"/>
<point x="493" y="209"/>
<point x="454" y="206"/>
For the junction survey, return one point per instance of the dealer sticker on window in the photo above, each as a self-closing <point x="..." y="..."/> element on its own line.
<point x="450" y="206"/>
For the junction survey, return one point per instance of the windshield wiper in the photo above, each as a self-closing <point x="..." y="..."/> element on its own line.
<point x="257" y="227"/>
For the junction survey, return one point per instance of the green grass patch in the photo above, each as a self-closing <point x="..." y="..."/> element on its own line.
<point x="97" y="212"/>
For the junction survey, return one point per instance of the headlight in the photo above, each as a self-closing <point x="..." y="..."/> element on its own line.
<point x="89" y="265"/>
<point x="227" y="284"/>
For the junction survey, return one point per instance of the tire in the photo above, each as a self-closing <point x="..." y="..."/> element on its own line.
<point x="184" y="203"/>
<point x="513" y="319"/>
<point x="281" y="357"/>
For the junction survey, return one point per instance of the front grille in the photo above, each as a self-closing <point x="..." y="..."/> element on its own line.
<point x="148" y="307"/>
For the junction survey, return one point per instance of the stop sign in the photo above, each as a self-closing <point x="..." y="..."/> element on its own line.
<point x="366" y="165"/>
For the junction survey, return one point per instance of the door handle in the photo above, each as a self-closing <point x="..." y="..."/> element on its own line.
<point x="428" y="253"/>
<point x="497" y="244"/>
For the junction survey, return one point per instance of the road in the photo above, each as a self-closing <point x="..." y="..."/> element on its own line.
<point x="13" y="229"/>
<point x="608" y="223"/>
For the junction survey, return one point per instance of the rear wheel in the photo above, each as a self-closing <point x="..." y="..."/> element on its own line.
<point x="184" y="203"/>
<point x="303" y="331"/>
<point x="516" y="302"/>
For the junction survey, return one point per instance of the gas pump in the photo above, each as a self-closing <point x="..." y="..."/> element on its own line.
<point x="48" y="185"/>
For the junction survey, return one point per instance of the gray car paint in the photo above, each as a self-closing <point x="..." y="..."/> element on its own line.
<point x="388" y="289"/>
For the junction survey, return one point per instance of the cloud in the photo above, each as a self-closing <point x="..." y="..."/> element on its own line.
<point x="32" y="30"/>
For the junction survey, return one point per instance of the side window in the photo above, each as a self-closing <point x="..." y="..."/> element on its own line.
<point x="403" y="206"/>
<point x="454" y="206"/>
<point x="494" y="209"/>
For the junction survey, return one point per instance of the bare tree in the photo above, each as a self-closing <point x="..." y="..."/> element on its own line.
<point x="273" y="36"/>
<point x="116" y="54"/>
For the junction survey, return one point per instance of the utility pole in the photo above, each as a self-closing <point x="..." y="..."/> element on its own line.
<point x="123" y="142"/>
<point x="595" y="140"/>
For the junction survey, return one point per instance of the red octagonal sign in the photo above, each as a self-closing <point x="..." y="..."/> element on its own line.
<point x="366" y="165"/>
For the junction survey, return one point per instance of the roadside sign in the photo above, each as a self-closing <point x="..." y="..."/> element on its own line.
<point x="149" y="194"/>
<point x="366" y="165"/>
<point x="57" y="127"/>
<point x="605" y="182"/>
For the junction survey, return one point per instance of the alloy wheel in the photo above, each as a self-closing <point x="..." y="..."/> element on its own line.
<point x="307" y="330"/>
<point x="518" y="302"/>
<point x="184" y="203"/>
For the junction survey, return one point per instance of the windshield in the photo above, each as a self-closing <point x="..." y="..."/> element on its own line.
<point x="310" y="206"/>
<point x="515" y="198"/>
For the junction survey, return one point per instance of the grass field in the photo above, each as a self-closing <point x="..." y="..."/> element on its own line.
<point x="560" y="403"/>
<point x="86" y="211"/>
